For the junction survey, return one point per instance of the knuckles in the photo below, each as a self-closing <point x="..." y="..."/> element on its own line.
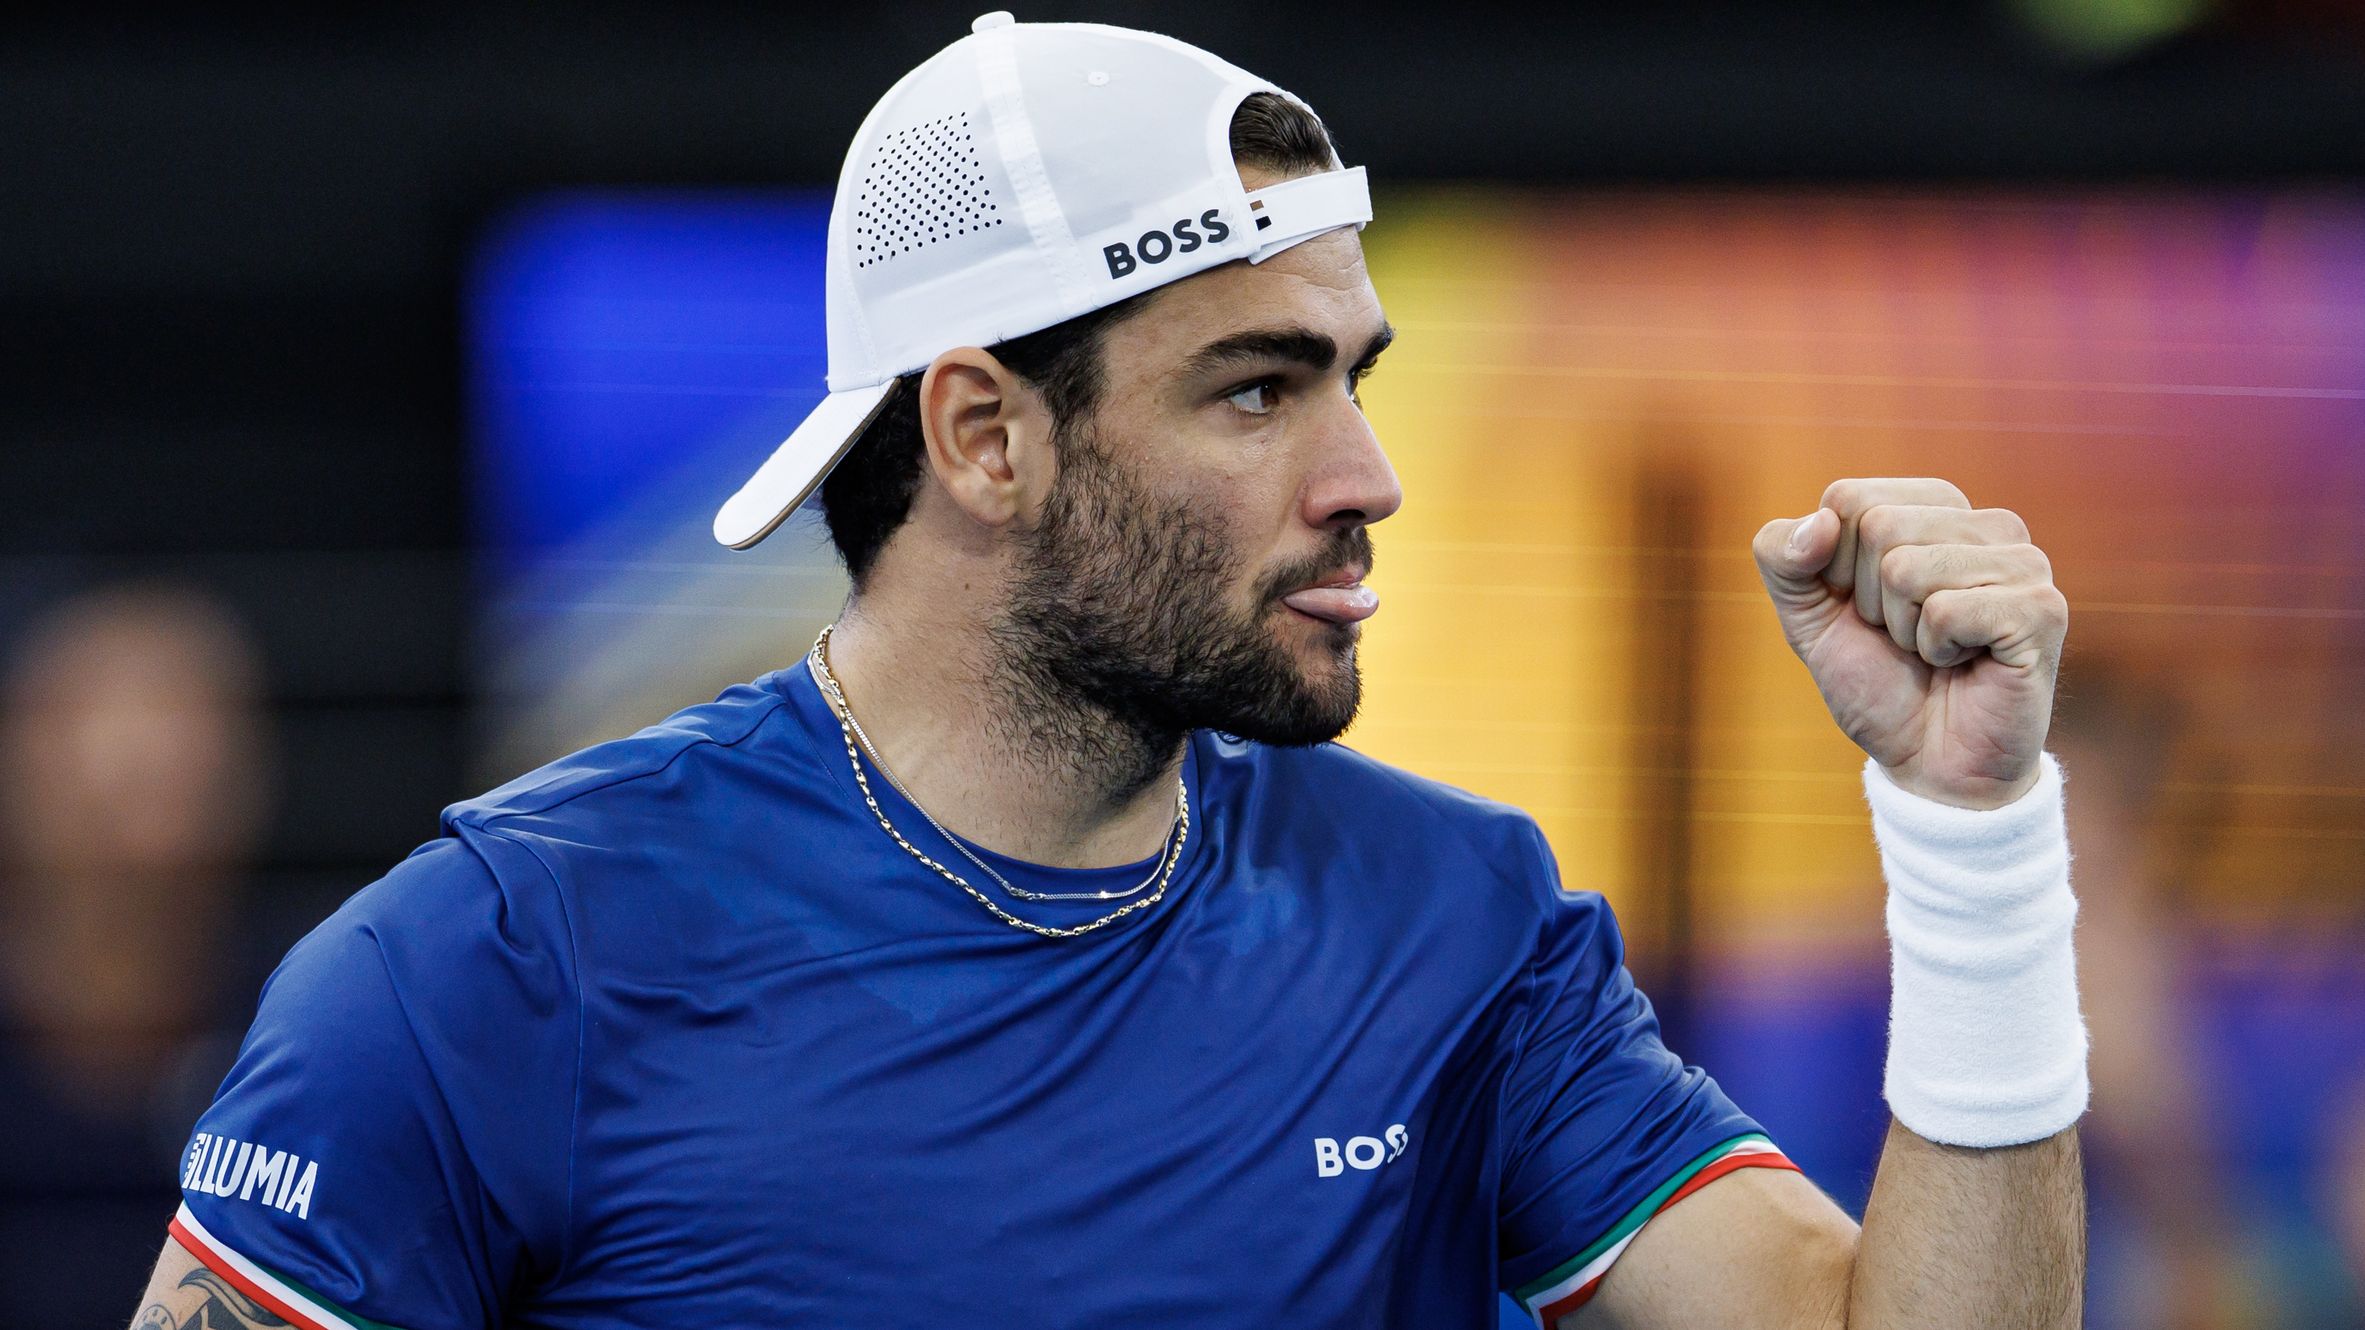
<point x="1854" y="495"/>
<point x="1908" y="547"/>
<point x="1877" y="527"/>
<point x="1942" y="612"/>
<point x="2053" y="607"/>
<point x="1910" y="568"/>
<point x="1900" y="567"/>
<point x="1969" y="577"/>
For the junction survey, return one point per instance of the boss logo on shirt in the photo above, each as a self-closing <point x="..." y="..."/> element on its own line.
<point x="221" y="1166"/>
<point x="1158" y="246"/>
<point x="1361" y="1153"/>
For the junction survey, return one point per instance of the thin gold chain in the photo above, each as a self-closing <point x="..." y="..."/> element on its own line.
<point x="837" y="699"/>
<point x="1009" y="888"/>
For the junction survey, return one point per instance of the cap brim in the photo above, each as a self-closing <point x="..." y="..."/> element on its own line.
<point x="796" y="468"/>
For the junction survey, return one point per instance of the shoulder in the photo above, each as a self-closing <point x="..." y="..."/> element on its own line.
<point x="1386" y="789"/>
<point x="498" y="892"/>
<point x="461" y="920"/>
<point x="1374" y="802"/>
<point x="423" y="1041"/>
<point x="640" y="766"/>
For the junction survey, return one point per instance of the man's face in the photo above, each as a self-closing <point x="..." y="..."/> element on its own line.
<point x="1197" y="563"/>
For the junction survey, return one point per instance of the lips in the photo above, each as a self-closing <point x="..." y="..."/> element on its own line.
<point x="1341" y="599"/>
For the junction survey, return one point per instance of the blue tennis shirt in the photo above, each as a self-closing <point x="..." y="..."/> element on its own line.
<point x="670" y="1033"/>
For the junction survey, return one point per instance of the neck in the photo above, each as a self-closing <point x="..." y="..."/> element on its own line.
<point x="996" y="750"/>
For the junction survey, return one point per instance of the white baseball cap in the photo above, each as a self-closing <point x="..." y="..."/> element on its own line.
<point x="1026" y="174"/>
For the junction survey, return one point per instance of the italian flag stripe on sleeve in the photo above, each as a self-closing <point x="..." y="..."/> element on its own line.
<point x="1567" y="1286"/>
<point x="287" y="1299"/>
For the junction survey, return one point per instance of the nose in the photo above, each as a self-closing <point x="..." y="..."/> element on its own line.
<point x="1351" y="483"/>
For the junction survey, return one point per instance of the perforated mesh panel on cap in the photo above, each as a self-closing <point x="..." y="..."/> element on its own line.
<point x="922" y="185"/>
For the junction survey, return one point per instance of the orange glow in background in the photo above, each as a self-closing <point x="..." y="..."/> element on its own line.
<point x="1596" y="400"/>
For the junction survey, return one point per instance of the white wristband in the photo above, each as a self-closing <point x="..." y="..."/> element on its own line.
<point x="1986" y="1045"/>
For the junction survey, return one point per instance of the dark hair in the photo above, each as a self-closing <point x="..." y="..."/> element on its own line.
<point x="868" y="496"/>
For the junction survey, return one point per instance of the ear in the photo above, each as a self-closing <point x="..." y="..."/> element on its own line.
<point x="987" y="435"/>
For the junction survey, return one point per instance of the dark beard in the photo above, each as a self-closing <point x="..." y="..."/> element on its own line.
<point x="1120" y="639"/>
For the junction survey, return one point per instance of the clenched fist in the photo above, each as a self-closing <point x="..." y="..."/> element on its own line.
<point x="1933" y="629"/>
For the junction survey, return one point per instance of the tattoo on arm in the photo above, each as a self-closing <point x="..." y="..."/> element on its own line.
<point x="224" y="1308"/>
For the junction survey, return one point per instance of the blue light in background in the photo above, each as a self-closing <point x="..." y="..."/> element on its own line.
<point x="622" y="340"/>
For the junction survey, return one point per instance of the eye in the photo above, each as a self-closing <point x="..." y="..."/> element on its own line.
<point x="1256" y="399"/>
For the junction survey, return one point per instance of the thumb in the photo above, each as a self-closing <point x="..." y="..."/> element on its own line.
<point x="1791" y="554"/>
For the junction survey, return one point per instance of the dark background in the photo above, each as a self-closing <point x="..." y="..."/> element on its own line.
<point x="232" y="248"/>
<point x="230" y="245"/>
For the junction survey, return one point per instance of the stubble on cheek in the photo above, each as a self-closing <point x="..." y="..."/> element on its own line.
<point x="1143" y="606"/>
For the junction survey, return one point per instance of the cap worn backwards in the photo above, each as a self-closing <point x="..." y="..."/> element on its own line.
<point x="1024" y="175"/>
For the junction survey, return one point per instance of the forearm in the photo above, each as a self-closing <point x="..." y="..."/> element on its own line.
<point x="1956" y="1236"/>
<point x="1934" y="631"/>
<point x="183" y="1294"/>
<point x="1977" y="1217"/>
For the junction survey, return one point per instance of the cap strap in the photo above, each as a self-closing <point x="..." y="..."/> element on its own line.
<point x="1307" y="206"/>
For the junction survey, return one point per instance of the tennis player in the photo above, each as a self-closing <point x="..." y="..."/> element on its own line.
<point x="1026" y="955"/>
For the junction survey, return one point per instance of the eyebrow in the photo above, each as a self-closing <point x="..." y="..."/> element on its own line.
<point x="1264" y="345"/>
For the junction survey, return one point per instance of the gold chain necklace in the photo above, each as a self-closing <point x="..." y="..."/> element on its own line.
<point x="845" y="716"/>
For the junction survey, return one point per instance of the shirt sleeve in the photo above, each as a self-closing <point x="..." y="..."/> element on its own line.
<point x="1603" y="1126"/>
<point x="391" y="1146"/>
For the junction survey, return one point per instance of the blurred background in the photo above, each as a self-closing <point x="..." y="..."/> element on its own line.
<point x="370" y="379"/>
